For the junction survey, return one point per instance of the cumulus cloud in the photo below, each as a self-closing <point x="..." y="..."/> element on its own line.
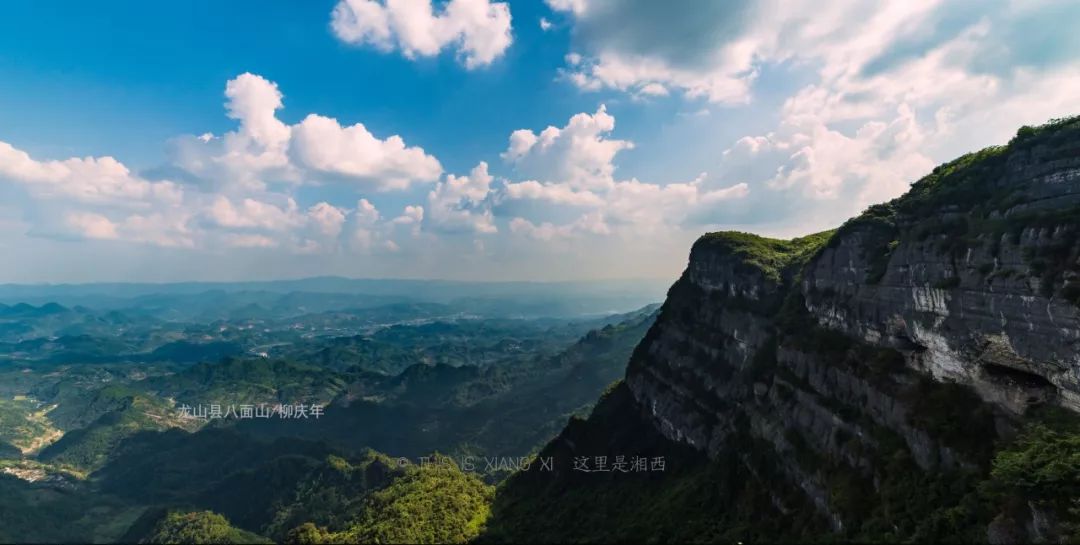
<point x="235" y="190"/>
<point x="319" y="148"/>
<point x="715" y="50"/>
<point x="645" y="76"/>
<point x="576" y="163"/>
<point x="578" y="154"/>
<point x="894" y="88"/>
<point x="365" y="228"/>
<point x="652" y="48"/>
<point x="98" y="180"/>
<point x="253" y="214"/>
<point x="878" y="161"/>
<point x="591" y="223"/>
<point x="412" y="215"/>
<point x="91" y="225"/>
<point x="156" y="228"/>
<point x="648" y="206"/>
<point x="97" y="198"/>
<point x="479" y="30"/>
<point x="554" y="193"/>
<point x="461" y="204"/>
<point x="252" y="100"/>
<point x="248" y="240"/>
<point x="170" y="229"/>
<point x="877" y="93"/>
<point x="327" y="219"/>
<point x="322" y="144"/>
<point x="322" y="227"/>
<point x="910" y="88"/>
<point x="243" y="158"/>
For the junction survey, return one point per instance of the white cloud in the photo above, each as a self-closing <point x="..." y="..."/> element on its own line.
<point x="252" y="100"/>
<point x="320" y="143"/>
<point x="156" y="228"/>
<point x="554" y="193"/>
<point x="94" y="180"/>
<point x="577" y="7"/>
<point x="248" y="240"/>
<point x="96" y="198"/>
<point x="264" y="149"/>
<point x="577" y="164"/>
<point x="578" y="154"/>
<point x="321" y="228"/>
<point x="715" y="51"/>
<point x="877" y="94"/>
<point x="366" y="220"/>
<point x="479" y="30"/>
<point x="592" y="223"/>
<point x="166" y="229"/>
<point x="254" y="214"/>
<point x="543" y="231"/>
<point x="237" y="189"/>
<point x="412" y="215"/>
<point x="92" y="225"/>
<point x="879" y="160"/>
<point x="643" y="75"/>
<point x="650" y="207"/>
<point x="362" y="239"/>
<point x="255" y="150"/>
<point x="654" y="89"/>
<point x="460" y="203"/>
<point x="327" y="219"/>
<point x="366" y="212"/>
<point x="651" y="48"/>
<point x="905" y="90"/>
<point x="896" y="87"/>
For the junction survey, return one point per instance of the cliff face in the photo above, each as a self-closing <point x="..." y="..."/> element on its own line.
<point x="985" y="301"/>
<point x="882" y="371"/>
<point x="827" y="343"/>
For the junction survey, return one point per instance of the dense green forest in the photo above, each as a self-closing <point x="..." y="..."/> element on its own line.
<point x="96" y="446"/>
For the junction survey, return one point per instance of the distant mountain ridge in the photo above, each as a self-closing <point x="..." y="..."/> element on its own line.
<point x="208" y="301"/>
<point x="425" y="289"/>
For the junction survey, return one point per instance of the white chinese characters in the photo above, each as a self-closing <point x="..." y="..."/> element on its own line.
<point x="618" y="464"/>
<point x="215" y="411"/>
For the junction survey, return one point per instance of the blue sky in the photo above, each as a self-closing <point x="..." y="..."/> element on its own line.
<point x="668" y="121"/>
<point x="154" y="73"/>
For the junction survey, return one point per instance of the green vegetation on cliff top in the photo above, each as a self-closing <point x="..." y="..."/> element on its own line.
<point x="974" y="201"/>
<point x="971" y="182"/>
<point x="771" y="256"/>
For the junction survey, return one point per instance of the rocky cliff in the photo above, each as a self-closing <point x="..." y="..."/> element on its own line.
<point x="915" y="373"/>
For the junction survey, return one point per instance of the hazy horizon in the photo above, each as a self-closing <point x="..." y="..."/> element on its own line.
<point x="285" y="280"/>
<point x="304" y="295"/>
